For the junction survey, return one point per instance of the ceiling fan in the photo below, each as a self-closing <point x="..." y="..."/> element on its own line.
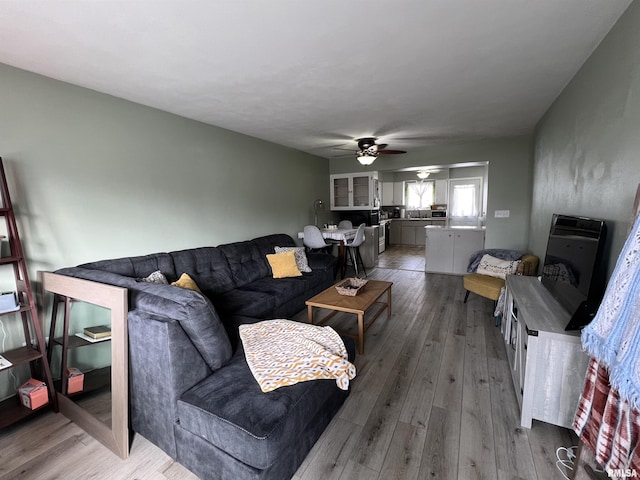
<point x="368" y="150"/>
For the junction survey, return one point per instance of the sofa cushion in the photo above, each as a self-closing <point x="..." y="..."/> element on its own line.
<point x="229" y="410"/>
<point x="246" y="262"/>
<point x="245" y="302"/>
<point x="281" y="289"/>
<point x="136" y="267"/>
<point x="207" y="266"/>
<point x="268" y="243"/>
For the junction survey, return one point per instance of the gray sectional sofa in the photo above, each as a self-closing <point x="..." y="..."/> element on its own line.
<point x="192" y="392"/>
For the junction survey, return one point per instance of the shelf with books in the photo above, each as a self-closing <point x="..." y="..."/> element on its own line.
<point x="90" y="335"/>
<point x="18" y="306"/>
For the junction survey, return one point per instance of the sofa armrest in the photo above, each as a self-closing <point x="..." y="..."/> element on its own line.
<point x="164" y="364"/>
<point x="321" y="261"/>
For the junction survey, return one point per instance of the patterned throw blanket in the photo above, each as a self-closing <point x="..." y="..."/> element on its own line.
<point x="284" y="352"/>
<point x="606" y="423"/>
<point x="607" y="420"/>
<point x="613" y="337"/>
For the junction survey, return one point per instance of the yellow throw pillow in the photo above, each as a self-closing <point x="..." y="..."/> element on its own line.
<point x="185" y="281"/>
<point x="284" y="265"/>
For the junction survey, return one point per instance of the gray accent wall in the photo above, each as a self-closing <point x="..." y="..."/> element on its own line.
<point x="587" y="145"/>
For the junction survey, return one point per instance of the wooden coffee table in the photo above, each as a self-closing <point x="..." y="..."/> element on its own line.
<point x="368" y="296"/>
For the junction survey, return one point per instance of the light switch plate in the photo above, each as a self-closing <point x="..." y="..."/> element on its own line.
<point x="502" y="213"/>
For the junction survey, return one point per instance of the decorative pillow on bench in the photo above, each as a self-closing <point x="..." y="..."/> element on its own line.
<point x="494" y="267"/>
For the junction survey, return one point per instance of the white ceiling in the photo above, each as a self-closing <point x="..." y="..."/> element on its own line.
<point x="315" y="74"/>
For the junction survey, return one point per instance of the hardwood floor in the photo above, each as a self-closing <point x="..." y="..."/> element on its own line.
<point x="433" y="398"/>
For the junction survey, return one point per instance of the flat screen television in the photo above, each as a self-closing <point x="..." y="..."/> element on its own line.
<point x="572" y="263"/>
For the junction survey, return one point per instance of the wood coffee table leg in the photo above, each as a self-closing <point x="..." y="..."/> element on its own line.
<point x="310" y="314"/>
<point x="361" y="333"/>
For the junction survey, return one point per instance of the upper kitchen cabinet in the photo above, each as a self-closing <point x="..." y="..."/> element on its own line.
<point x="392" y="193"/>
<point x="442" y="191"/>
<point x="355" y="191"/>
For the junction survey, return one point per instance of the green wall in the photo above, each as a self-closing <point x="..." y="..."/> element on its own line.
<point x="509" y="180"/>
<point x="94" y="177"/>
<point x="587" y="146"/>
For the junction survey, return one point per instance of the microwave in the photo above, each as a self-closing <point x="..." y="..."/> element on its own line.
<point x="438" y="213"/>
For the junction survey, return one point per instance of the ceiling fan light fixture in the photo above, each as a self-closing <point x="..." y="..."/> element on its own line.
<point x="365" y="158"/>
<point x="422" y="175"/>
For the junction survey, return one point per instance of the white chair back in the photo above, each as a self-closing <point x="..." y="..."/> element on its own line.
<point x="313" y="237"/>
<point x="345" y="224"/>
<point x="359" y="238"/>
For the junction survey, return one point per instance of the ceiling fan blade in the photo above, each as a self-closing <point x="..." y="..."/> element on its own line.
<point x="391" y="152"/>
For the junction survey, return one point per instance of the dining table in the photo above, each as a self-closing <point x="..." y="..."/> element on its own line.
<point x="340" y="236"/>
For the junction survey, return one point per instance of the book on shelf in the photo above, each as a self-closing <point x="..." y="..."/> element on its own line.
<point x="98" y="331"/>
<point x="4" y="363"/>
<point x="92" y="340"/>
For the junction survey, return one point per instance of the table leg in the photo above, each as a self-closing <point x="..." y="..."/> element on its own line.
<point x="310" y="314"/>
<point x="389" y="302"/>
<point x="342" y="258"/>
<point x="361" y="333"/>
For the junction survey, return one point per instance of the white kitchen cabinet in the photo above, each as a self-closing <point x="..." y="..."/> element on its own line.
<point x="398" y="193"/>
<point x="448" y="250"/>
<point x="413" y="232"/>
<point x="355" y="191"/>
<point x="395" y="232"/>
<point x="387" y="193"/>
<point x="442" y="191"/>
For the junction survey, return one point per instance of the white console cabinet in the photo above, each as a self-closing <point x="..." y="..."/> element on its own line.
<point x="547" y="363"/>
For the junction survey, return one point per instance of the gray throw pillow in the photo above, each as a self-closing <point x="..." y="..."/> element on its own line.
<point x="154" y="277"/>
<point x="301" y="257"/>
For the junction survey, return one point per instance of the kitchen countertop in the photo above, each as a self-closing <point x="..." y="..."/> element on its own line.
<point x="454" y="227"/>
<point x="418" y="219"/>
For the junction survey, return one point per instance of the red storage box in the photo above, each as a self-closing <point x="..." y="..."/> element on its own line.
<point x="33" y="394"/>
<point x="75" y="379"/>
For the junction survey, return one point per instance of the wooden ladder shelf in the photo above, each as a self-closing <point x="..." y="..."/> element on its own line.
<point x="34" y="351"/>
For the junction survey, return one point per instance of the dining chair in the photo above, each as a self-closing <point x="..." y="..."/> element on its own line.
<point x="345" y="224"/>
<point x="313" y="239"/>
<point x="354" y="248"/>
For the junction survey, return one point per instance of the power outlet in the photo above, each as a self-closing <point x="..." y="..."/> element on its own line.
<point x="501" y="213"/>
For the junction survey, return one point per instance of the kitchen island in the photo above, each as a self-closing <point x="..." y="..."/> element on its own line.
<point x="448" y="249"/>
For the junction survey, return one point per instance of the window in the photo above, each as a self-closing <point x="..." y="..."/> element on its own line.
<point x="465" y="201"/>
<point x="420" y="194"/>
